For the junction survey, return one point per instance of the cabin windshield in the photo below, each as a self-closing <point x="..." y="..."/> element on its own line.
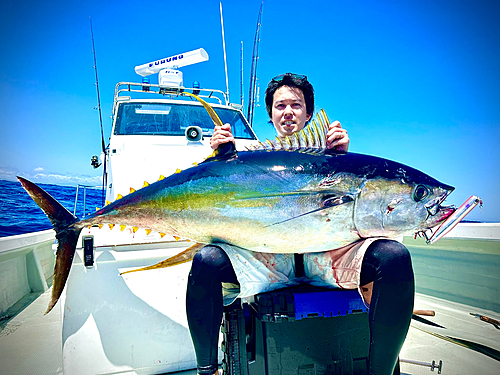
<point x="173" y="118"/>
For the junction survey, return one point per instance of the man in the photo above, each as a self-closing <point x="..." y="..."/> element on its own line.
<point x="289" y="114"/>
<point x="380" y="268"/>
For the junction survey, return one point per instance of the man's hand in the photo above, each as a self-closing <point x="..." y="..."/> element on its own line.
<point x="222" y="134"/>
<point x="337" y="137"/>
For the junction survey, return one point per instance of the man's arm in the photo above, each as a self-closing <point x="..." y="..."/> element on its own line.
<point x="337" y="137"/>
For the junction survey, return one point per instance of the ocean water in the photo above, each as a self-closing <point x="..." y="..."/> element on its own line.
<point x="19" y="213"/>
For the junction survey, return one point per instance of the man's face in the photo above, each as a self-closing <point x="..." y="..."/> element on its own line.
<point x="289" y="113"/>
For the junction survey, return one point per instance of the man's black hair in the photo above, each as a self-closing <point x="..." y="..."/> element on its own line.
<point x="290" y="80"/>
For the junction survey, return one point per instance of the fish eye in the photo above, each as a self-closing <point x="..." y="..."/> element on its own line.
<point x="420" y="193"/>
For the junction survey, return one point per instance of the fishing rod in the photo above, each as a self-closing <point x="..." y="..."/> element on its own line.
<point x="94" y="162"/>
<point x="253" y="69"/>
<point x="224" y="48"/>
<point x="242" y="99"/>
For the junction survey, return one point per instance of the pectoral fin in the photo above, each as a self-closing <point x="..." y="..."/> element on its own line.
<point x="329" y="202"/>
<point x="182" y="257"/>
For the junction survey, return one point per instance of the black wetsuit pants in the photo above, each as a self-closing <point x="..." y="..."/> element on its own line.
<point x="387" y="263"/>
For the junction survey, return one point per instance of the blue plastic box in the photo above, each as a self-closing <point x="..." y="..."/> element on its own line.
<point x="300" y="330"/>
<point x="305" y="302"/>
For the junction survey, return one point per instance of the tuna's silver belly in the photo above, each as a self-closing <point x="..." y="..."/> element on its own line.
<point x="269" y="229"/>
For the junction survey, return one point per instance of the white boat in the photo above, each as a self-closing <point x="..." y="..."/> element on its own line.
<point x="136" y="323"/>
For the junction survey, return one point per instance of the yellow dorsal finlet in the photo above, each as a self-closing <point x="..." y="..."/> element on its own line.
<point x="107" y="202"/>
<point x="178" y="170"/>
<point x="162" y="177"/>
<point x="145" y="184"/>
<point x="119" y="196"/>
<point x="311" y="139"/>
<point x="132" y="190"/>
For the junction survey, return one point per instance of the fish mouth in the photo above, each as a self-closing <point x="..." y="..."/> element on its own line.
<point x="436" y="215"/>
<point x="437" y="212"/>
<point x="446" y="212"/>
<point x="434" y="206"/>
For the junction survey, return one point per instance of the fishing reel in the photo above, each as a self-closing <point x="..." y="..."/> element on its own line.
<point x="94" y="161"/>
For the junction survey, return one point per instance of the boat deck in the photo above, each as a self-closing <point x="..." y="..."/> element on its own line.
<point x="31" y="343"/>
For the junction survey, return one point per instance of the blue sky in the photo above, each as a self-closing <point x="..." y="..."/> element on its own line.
<point x="413" y="81"/>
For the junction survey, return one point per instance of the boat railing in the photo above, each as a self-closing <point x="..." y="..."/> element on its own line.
<point x="216" y="96"/>
<point x="84" y="187"/>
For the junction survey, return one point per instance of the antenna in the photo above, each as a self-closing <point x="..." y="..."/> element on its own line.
<point x="241" y="75"/>
<point x="224" y="48"/>
<point x="104" y="183"/>
<point x="253" y="69"/>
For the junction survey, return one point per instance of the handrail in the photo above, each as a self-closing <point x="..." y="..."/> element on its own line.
<point x="85" y="187"/>
<point x="150" y="88"/>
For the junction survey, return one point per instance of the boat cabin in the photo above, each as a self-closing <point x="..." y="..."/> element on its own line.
<point x="158" y="129"/>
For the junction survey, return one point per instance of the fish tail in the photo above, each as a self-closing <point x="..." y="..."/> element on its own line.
<point x="66" y="233"/>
